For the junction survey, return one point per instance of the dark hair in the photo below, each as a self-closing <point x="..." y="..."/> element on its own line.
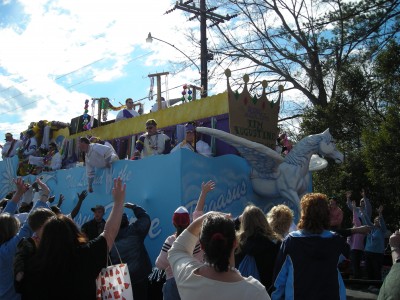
<point x="58" y="249"/>
<point x="314" y="213"/>
<point x="25" y="207"/>
<point x="9" y="226"/>
<point x="55" y="209"/>
<point x="128" y="99"/>
<point x="84" y="140"/>
<point x="39" y="217"/>
<point x="217" y="239"/>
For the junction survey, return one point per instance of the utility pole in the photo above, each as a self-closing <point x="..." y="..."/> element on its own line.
<point x="205" y="14"/>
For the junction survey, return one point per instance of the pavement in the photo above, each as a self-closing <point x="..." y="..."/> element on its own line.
<point x="359" y="293"/>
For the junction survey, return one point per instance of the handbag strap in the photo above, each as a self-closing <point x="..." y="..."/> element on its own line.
<point x="109" y="262"/>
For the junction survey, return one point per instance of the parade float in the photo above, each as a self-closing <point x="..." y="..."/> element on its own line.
<point x="242" y="131"/>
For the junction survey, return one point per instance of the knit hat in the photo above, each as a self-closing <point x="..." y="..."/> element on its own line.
<point x="181" y="217"/>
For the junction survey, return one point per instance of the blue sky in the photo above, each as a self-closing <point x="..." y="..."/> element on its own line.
<point x="56" y="54"/>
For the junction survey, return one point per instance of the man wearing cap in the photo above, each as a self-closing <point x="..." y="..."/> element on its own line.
<point x="190" y="139"/>
<point x="10" y="147"/>
<point x="96" y="156"/>
<point x="152" y="142"/>
<point x="94" y="227"/>
<point x="127" y="113"/>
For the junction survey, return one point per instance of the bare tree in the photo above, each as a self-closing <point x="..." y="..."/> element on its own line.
<point x="303" y="43"/>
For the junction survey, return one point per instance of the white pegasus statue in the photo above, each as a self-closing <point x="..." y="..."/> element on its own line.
<point x="273" y="175"/>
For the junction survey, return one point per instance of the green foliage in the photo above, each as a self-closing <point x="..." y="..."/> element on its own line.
<point x="364" y="118"/>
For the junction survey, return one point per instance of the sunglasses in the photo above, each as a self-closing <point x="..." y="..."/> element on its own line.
<point x="149" y="127"/>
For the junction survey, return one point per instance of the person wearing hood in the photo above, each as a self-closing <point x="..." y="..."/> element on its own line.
<point x="307" y="262"/>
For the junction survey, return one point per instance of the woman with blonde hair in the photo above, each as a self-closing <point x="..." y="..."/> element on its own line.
<point x="280" y="217"/>
<point x="306" y="267"/>
<point x="257" y="239"/>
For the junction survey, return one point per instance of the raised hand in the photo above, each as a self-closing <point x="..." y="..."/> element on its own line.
<point x="118" y="191"/>
<point x="21" y="186"/>
<point x="82" y="195"/>
<point x="208" y="186"/>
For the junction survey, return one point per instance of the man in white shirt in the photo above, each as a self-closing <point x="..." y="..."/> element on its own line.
<point x="153" y="142"/>
<point x="154" y="108"/>
<point x="127" y="113"/>
<point x="96" y="156"/>
<point x="10" y="147"/>
<point x="188" y="143"/>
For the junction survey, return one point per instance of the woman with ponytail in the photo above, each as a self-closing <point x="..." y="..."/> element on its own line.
<point x="217" y="277"/>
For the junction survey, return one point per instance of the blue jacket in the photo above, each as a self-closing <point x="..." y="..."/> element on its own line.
<point x="375" y="241"/>
<point x="306" y="267"/>
<point x="7" y="253"/>
<point x="130" y="245"/>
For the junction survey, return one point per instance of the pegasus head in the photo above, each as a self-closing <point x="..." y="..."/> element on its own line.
<point x="327" y="147"/>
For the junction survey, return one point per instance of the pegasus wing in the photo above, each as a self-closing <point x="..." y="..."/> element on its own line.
<point x="261" y="158"/>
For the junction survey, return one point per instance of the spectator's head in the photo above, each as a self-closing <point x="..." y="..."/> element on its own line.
<point x="37" y="219"/>
<point x="180" y="219"/>
<point x="129" y="103"/>
<point x="25" y="207"/>
<point x="333" y="201"/>
<point x="218" y="241"/>
<point x="8" y="137"/>
<point x="98" y="211"/>
<point x="254" y="222"/>
<point x="280" y="217"/>
<point x="59" y="244"/>
<point x="314" y="213"/>
<point x="151" y="126"/>
<point x="84" y="144"/>
<point x="9" y="226"/>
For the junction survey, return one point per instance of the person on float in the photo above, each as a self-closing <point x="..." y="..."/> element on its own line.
<point x="30" y="144"/>
<point x="96" y="156"/>
<point x="192" y="143"/>
<point x="153" y="142"/>
<point x="9" y="149"/>
<point x="128" y="112"/>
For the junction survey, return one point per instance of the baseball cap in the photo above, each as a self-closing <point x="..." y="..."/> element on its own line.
<point x="181" y="217"/>
<point x="189" y="127"/>
<point x="151" y="122"/>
